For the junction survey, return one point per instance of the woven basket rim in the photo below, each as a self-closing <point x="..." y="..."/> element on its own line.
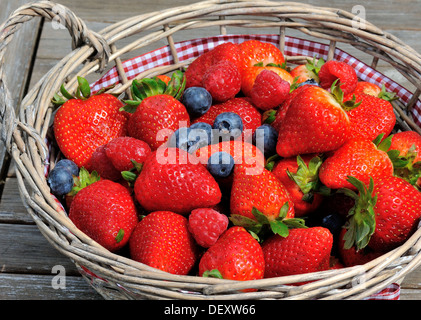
<point x="25" y="140"/>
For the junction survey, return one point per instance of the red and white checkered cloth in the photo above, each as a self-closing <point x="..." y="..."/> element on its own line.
<point x="293" y="47"/>
<point x="391" y="292"/>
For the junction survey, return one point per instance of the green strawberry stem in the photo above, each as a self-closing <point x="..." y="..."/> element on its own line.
<point x="83" y="180"/>
<point x="315" y="65"/>
<point x="214" y="273"/>
<point x="405" y="167"/>
<point x="147" y="87"/>
<point x="338" y="94"/>
<point x="386" y="95"/>
<point x="361" y="223"/>
<point x="119" y="236"/>
<point x="262" y="225"/>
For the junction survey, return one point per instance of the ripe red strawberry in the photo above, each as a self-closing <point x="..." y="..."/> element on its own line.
<point x="269" y="90"/>
<point x="169" y="181"/>
<point x="386" y="213"/>
<point x="82" y="124"/>
<point x="236" y="256"/>
<point x="196" y="70"/>
<point x="254" y="52"/>
<point x="249" y="75"/>
<point x="105" y="211"/>
<point x="351" y="257"/>
<point x="250" y="116"/>
<point x="156" y="113"/>
<point x="206" y="225"/>
<point x="259" y="199"/>
<point x="222" y="80"/>
<point x="123" y="150"/>
<point x="304" y="250"/>
<point x="103" y="165"/>
<point x="333" y="70"/>
<point x="371" y="117"/>
<point x="300" y="176"/>
<point x="405" y="152"/>
<point x="358" y="157"/>
<point x="314" y="123"/>
<point x="162" y="240"/>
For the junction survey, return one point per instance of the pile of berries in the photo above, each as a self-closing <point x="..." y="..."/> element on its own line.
<point x="241" y="167"/>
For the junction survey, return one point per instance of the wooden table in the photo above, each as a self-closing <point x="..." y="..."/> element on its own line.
<point x="26" y="257"/>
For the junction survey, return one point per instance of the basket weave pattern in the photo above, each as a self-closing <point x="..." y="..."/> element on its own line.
<point x="25" y="136"/>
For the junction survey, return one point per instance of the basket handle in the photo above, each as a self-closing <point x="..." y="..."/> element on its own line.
<point x="62" y="17"/>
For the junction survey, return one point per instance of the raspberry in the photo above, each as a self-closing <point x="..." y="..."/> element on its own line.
<point x="333" y="70"/>
<point x="222" y="80"/>
<point x="269" y="90"/>
<point x="122" y="150"/>
<point x="206" y="225"/>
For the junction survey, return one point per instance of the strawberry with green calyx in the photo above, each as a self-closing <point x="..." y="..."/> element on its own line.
<point x="85" y="122"/>
<point x="81" y="181"/>
<point x="236" y="255"/>
<point x="385" y="215"/>
<point x="300" y="176"/>
<point x="147" y="87"/>
<point x="405" y="153"/>
<point x="361" y="218"/>
<point x="106" y="212"/>
<point x="314" y="122"/>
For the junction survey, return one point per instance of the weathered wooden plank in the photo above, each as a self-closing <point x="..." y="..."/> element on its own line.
<point x="23" y="249"/>
<point x="12" y="209"/>
<point x="45" y="287"/>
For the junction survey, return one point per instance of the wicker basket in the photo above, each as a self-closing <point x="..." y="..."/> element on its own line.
<point x="116" y="277"/>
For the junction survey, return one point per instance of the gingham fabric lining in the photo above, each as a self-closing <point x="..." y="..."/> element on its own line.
<point x="391" y="292"/>
<point x="293" y="47"/>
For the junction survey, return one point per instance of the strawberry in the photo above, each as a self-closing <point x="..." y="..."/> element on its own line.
<point x="222" y="80"/>
<point x="314" y="123"/>
<point x="304" y="250"/>
<point x="258" y="200"/>
<point x="310" y="70"/>
<point x="227" y="51"/>
<point x="254" y="52"/>
<point x="385" y="215"/>
<point x="250" y="116"/>
<point x="123" y="151"/>
<point x="405" y="153"/>
<point x="370" y="117"/>
<point x="360" y="158"/>
<point x="105" y="211"/>
<point x="249" y="75"/>
<point x="299" y="175"/>
<point x="236" y="255"/>
<point x="154" y="114"/>
<point x="85" y="122"/>
<point x="351" y="257"/>
<point x="162" y="240"/>
<point x="206" y="225"/>
<point x="269" y="90"/>
<point x="81" y="181"/>
<point x="169" y="181"/>
<point x="333" y="70"/>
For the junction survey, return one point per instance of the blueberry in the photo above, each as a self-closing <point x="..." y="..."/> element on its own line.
<point x="333" y="222"/>
<point x="180" y="139"/>
<point x="60" y="181"/>
<point x="202" y="130"/>
<point x="197" y="101"/>
<point x="265" y="138"/>
<point x="192" y="138"/>
<point x="229" y="125"/>
<point x="69" y="165"/>
<point x="310" y="81"/>
<point x="220" y="164"/>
